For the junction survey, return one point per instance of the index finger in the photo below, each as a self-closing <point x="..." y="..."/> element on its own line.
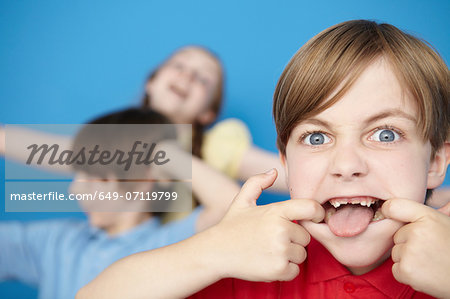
<point x="405" y="210"/>
<point x="302" y="209"/>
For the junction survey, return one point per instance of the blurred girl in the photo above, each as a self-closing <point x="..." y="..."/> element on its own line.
<point x="188" y="88"/>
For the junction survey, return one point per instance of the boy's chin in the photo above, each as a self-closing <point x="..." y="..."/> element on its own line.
<point x="361" y="261"/>
<point x="361" y="253"/>
<point x="97" y="220"/>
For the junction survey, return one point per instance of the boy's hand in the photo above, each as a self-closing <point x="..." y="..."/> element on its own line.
<point x="261" y="243"/>
<point x="422" y="246"/>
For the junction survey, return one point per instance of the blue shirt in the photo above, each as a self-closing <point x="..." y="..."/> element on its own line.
<point x="61" y="256"/>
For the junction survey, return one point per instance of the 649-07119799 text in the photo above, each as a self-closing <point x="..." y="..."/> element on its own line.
<point x="103" y="196"/>
<point x="138" y="195"/>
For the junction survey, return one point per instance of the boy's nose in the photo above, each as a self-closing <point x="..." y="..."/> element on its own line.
<point x="348" y="163"/>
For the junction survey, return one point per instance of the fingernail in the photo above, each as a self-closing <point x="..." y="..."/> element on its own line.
<point x="270" y="171"/>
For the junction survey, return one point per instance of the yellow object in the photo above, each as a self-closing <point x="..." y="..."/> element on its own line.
<point x="225" y="144"/>
<point x="223" y="147"/>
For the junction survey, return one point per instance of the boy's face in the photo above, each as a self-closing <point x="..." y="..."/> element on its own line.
<point x="87" y="184"/>
<point x="364" y="148"/>
<point x="110" y="213"/>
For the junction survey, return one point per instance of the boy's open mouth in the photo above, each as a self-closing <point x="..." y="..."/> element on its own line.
<point x="350" y="216"/>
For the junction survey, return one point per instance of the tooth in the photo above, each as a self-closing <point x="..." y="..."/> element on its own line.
<point x="378" y="216"/>
<point x="363" y="203"/>
<point x="329" y="213"/>
<point x="369" y="203"/>
<point x="337" y="205"/>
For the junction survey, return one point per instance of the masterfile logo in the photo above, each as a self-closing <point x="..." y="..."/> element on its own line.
<point x="98" y="167"/>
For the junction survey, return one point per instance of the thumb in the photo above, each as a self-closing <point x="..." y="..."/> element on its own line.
<point x="404" y="210"/>
<point x="253" y="188"/>
<point x="445" y="209"/>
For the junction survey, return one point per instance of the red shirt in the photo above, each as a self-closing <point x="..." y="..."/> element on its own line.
<point x="321" y="276"/>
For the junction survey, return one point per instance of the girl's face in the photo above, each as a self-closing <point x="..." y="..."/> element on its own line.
<point x="183" y="88"/>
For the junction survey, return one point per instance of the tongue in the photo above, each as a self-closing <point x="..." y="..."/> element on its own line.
<point x="350" y="220"/>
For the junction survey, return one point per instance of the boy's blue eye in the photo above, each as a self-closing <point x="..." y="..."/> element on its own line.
<point x="316" y="139"/>
<point x="385" y="135"/>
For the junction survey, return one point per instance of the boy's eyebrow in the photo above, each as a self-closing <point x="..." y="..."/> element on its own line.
<point x="318" y="122"/>
<point x="384" y="114"/>
<point x="390" y="113"/>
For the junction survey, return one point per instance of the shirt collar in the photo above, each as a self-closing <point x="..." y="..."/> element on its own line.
<point x="323" y="266"/>
<point x="383" y="279"/>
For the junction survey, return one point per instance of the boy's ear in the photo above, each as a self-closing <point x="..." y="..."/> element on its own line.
<point x="438" y="166"/>
<point x="285" y="166"/>
<point x="282" y="159"/>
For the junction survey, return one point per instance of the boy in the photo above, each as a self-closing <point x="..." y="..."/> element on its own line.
<point x="362" y="117"/>
<point x="60" y="256"/>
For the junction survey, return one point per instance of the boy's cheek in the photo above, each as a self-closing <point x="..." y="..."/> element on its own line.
<point x="404" y="179"/>
<point x="303" y="183"/>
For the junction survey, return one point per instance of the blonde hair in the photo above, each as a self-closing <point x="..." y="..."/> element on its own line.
<point x="339" y="54"/>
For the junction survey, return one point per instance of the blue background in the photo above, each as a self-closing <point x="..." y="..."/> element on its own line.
<point x="66" y="62"/>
